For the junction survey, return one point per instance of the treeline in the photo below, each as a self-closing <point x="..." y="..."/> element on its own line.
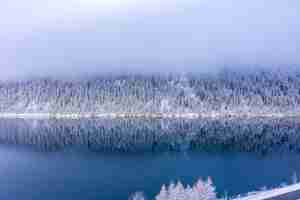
<point x="255" y="91"/>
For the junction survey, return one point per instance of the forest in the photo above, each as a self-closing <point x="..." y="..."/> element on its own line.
<point x="227" y="91"/>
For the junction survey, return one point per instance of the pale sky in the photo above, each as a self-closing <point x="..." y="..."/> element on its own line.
<point x="70" y="37"/>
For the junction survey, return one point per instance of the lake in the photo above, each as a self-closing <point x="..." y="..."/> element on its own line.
<point x="104" y="159"/>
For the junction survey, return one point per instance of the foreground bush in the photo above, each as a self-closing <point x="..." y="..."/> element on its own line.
<point x="202" y="190"/>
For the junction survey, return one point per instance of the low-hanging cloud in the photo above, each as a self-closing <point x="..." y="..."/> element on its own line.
<point x="72" y="37"/>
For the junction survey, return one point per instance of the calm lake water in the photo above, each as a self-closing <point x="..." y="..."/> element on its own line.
<point x="111" y="159"/>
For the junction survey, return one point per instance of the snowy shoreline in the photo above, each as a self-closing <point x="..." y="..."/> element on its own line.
<point x="270" y="194"/>
<point x="212" y="115"/>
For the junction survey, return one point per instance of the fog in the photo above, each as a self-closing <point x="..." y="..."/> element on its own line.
<point x="76" y="37"/>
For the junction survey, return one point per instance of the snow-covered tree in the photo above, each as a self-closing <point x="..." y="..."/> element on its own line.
<point x="137" y="196"/>
<point x="229" y="91"/>
<point x="202" y="190"/>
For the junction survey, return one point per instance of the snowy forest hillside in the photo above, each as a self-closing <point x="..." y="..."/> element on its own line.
<point x="229" y="91"/>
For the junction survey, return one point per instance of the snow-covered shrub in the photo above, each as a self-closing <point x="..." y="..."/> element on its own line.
<point x="137" y="196"/>
<point x="202" y="190"/>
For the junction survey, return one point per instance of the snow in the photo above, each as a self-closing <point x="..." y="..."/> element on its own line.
<point x="202" y="190"/>
<point x="212" y="115"/>
<point x="226" y="93"/>
<point x="272" y="193"/>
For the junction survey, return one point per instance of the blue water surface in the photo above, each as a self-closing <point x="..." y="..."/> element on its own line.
<point x="72" y="172"/>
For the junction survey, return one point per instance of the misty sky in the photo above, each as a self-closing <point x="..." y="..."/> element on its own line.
<point x="72" y="37"/>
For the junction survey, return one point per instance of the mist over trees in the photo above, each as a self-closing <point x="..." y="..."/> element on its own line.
<point x="228" y="91"/>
